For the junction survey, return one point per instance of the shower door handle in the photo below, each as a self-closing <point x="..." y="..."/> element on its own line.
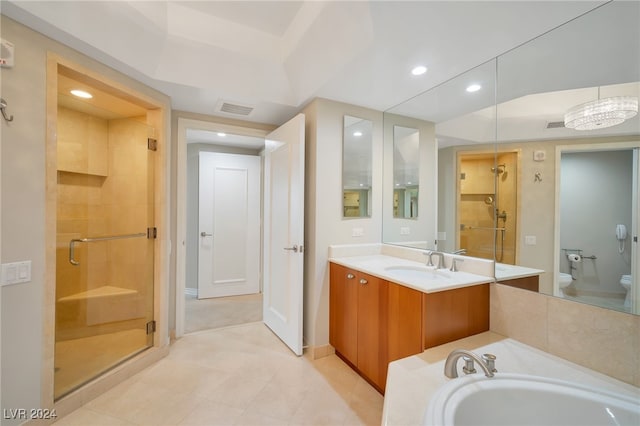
<point x="72" y="259"/>
<point x="204" y="234"/>
<point x="73" y="242"/>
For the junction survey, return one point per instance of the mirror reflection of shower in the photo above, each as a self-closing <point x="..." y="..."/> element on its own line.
<point x="487" y="199"/>
<point x="500" y="230"/>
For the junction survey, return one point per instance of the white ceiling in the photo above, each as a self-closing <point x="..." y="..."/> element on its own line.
<point x="276" y="56"/>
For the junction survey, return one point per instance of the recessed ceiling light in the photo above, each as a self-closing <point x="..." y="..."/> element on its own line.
<point x="408" y="183"/>
<point x="357" y="133"/>
<point x="473" y="88"/>
<point x="81" y="94"/>
<point x="397" y="184"/>
<point x="419" y="70"/>
<point x="362" y="184"/>
<point x="222" y="134"/>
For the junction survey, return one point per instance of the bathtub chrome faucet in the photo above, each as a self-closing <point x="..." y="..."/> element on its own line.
<point x="486" y="363"/>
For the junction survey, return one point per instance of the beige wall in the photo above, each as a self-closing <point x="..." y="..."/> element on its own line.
<point x="24" y="87"/>
<point x="600" y="339"/>
<point x="324" y="224"/>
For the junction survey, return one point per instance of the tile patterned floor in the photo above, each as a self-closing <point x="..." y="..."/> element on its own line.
<point x="240" y="375"/>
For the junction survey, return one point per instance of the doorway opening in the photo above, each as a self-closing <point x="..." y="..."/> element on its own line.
<point x="596" y="227"/>
<point x="223" y="239"/>
<point x="283" y="225"/>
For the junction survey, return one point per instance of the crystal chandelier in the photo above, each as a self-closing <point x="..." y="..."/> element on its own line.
<point x="601" y="113"/>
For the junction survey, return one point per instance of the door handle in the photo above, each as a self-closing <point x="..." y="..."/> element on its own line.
<point x="204" y="234"/>
<point x="293" y="249"/>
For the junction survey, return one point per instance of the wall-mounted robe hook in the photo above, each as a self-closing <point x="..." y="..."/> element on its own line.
<point x="3" y="106"/>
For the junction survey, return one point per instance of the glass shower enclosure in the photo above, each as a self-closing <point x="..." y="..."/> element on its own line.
<point x="105" y="242"/>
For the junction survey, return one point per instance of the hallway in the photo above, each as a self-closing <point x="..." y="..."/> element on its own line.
<point x="242" y="375"/>
<point x="218" y="312"/>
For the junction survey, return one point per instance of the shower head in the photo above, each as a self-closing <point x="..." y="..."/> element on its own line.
<point x="499" y="169"/>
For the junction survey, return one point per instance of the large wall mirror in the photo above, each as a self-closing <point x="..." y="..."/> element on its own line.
<point x="537" y="173"/>
<point x="357" y="151"/>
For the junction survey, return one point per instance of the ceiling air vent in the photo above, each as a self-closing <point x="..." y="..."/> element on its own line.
<point x="555" y="124"/>
<point x="234" y="108"/>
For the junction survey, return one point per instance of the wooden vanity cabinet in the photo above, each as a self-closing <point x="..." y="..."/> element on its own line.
<point x="372" y="322"/>
<point x="531" y="283"/>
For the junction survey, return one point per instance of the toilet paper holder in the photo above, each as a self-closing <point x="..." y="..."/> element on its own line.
<point x="575" y="255"/>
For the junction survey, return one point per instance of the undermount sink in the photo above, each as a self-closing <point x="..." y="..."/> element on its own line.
<point x="417" y="272"/>
<point x="515" y="399"/>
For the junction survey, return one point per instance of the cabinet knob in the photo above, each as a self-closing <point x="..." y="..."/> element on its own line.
<point x="363" y="281"/>
<point x="350" y="276"/>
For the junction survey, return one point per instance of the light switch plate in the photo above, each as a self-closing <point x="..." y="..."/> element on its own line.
<point x="530" y="240"/>
<point x="405" y="230"/>
<point x="16" y="272"/>
<point x="357" y="232"/>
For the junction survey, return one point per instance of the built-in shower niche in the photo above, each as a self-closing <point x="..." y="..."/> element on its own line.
<point x="104" y="286"/>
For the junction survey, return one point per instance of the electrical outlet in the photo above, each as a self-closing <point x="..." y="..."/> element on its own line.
<point x="539" y="155"/>
<point x="357" y="232"/>
<point x="405" y="230"/>
<point x="530" y="240"/>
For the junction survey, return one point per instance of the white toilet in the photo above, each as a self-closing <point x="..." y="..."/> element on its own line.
<point x="564" y="280"/>
<point x="626" y="283"/>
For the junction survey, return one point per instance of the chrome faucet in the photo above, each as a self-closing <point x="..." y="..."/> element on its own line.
<point x="441" y="264"/>
<point x="429" y="253"/>
<point x="454" y="266"/>
<point x="460" y="251"/>
<point x="487" y="363"/>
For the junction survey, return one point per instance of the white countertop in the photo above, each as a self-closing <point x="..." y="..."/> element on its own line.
<point x="412" y="381"/>
<point x="510" y="272"/>
<point x="445" y="280"/>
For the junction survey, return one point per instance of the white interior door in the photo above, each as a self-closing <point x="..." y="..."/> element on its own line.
<point x="229" y="225"/>
<point x="284" y="232"/>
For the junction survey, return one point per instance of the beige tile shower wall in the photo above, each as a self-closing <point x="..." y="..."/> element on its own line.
<point x="600" y="339"/>
<point x="82" y="143"/>
<point x="128" y="204"/>
<point x="82" y="164"/>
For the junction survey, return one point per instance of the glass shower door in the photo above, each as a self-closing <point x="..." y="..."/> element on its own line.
<point x="105" y="246"/>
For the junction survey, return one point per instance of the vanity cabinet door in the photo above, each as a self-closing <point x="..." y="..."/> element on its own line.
<point x="371" y="361"/>
<point x="404" y="322"/>
<point x="454" y="314"/>
<point x="343" y="312"/>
